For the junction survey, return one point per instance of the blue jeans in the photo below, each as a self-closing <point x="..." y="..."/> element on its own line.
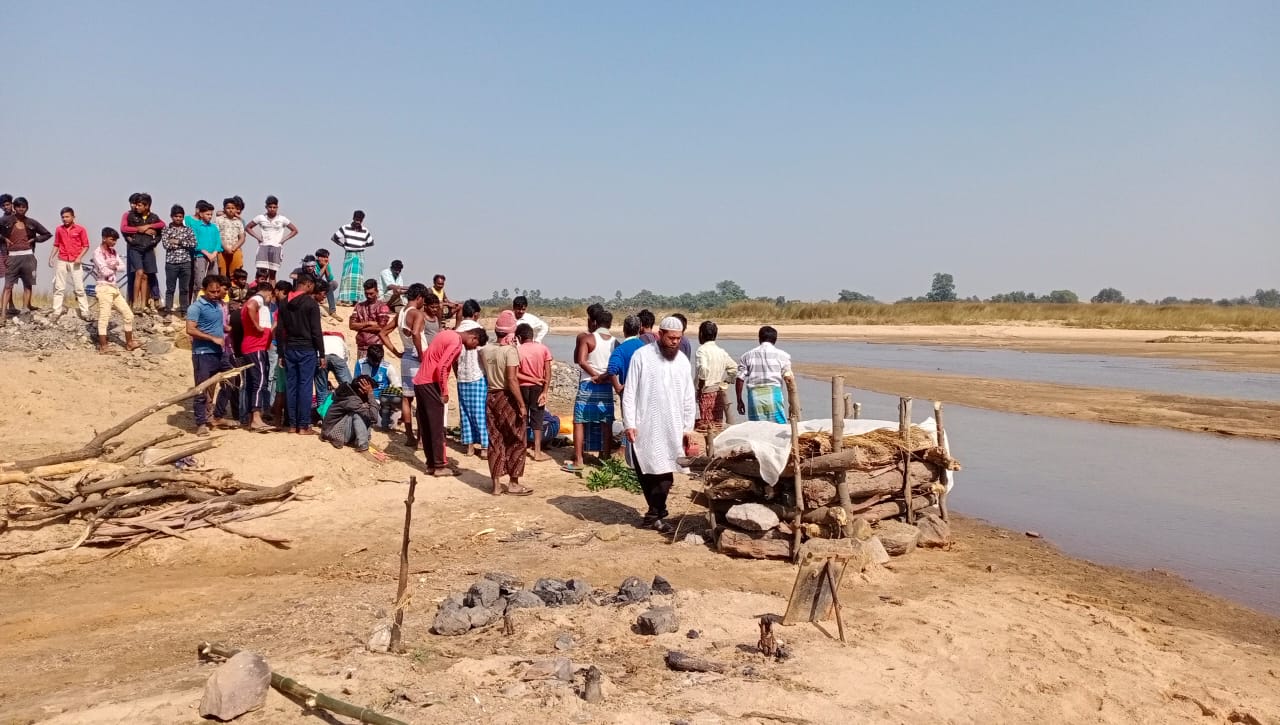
<point x="300" y="364"/>
<point x="205" y="366"/>
<point x="337" y="366"/>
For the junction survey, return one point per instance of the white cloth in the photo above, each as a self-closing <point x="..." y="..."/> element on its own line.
<point x="334" y="344"/>
<point x="715" y="368"/>
<point x="271" y="229"/>
<point x="658" y="402"/>
<point x="770" y="443"/>
<point x="540" y="328"/>
<point x="764" y="365"/>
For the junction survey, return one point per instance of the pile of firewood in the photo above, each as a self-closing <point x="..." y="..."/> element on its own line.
<point x="834" y="486"/>
<point x="127" y="495"/>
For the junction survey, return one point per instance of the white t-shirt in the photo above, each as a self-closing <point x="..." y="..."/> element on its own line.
<point x="335" y="345"/>
<point x="272" y="230"/>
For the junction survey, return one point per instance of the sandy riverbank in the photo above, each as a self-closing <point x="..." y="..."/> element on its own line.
<point x="1242" y="351"/>
<point x="93" y="640"/>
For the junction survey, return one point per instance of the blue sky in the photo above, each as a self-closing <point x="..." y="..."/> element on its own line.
<point x="580" y="148"/>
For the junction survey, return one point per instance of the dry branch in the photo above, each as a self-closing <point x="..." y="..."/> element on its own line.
<point x="96" y="447"/>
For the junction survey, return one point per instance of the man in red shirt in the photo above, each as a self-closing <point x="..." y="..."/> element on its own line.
<point x="70" y="245"/>
<point x="431" y="388"/>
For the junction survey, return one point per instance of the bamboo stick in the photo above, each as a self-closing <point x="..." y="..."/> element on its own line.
<point x="838" y="399"/>
<point x="904" y="428"/>
<point x="946" y="474"/>
<point x="311" y="698"/>
<point x="848" y="407"/>
<point x="404" y="568"/>
<point x="793" y="415"/>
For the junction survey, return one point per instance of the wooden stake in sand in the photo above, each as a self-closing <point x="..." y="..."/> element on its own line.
<point x="793" y="415"/>
<point x="837" y="435"/>
<point x="904" y="429"/>
<point x="404" y="568"/>
<point x="298" y="691"/>
<point x="946" y="474"/>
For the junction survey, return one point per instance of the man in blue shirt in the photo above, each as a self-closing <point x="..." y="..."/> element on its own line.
<point x="620" y="358"/>
<point x="206" y="326"/>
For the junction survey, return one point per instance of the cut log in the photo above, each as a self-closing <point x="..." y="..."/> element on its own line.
<point x="739" y="543"/>
<point x="682" y="662"/>
<point x="889" y="509"/>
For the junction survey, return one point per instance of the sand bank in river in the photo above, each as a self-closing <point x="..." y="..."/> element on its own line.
<point x="1247" y="418"/>
<point x="1231" y="351"/>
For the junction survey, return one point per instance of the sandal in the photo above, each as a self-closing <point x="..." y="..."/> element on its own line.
<point x="516" y="489"/>
<point x="573" y="468"/>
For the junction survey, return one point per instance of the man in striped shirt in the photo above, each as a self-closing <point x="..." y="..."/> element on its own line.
<point x="762" y="371"/>
<point x="353" y="239"/>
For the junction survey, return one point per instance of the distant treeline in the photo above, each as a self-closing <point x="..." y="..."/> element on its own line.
<point x="942" y="290"/>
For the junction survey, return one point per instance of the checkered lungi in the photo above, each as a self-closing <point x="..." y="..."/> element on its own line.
<point x="471" y="402"/>
<point x="352" y="285"/>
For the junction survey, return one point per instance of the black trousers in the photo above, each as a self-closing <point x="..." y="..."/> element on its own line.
<point x="431" y="423"/>
<point x="656" y="488"/>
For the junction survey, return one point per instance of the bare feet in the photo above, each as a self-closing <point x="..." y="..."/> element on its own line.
<point x="202" y="430"/>
<point x="306" y="432"/>
<point x="133" y="346"/>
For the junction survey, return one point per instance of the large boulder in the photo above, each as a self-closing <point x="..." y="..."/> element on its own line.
<point x="452" y="618"/>
<point x="633" y="589"/>
<point x="934" y="532"/>
<point x="875" y="550"/>
<point x="752" y="517"/>
<point x="239" y="685"/>
<point x="484" y="593"/>
<point x="898" y="538"/>
<point x="558" y="593"/>
<point x="524" y="600"/>
<point x="658" y="620"/>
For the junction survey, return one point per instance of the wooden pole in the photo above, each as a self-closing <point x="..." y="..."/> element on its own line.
<point x="946" y="474"/>
<point x="848" y="406"/>
<point x="904" y="429"/>
<point x="837" y="434"/>
<point x="398" y="621"/>
<point x="835" y="600"/>
<point x="793" y="415"/>
<point x="857" y="411"/>
<point x="312" y="699"/>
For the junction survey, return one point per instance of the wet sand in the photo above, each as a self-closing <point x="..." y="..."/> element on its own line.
<point x="1247" y="418"/>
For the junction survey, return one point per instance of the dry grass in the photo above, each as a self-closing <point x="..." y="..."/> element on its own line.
<point x="1125" y="317"/>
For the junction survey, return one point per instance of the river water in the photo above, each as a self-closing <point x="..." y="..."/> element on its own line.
<point x="1202" y="506"/>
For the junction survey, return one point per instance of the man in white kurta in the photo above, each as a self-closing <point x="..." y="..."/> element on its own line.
<point x="658" y="410"/>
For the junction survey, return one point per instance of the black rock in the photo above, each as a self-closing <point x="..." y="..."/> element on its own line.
<point x="524" y="600"/>
<point x="660" y="585"/>
<point x="658" y="620"/>
<point x="484" y="593"/>
<point x="633" y="590"/>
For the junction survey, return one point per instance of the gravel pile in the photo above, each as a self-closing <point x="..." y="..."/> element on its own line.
<point x="36" y="332"/>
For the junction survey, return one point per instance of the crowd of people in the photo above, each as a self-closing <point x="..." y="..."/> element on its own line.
<point x="282" y="371"/>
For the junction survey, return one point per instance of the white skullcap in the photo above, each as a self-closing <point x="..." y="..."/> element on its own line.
<point x="468" y="326"/>
<point x="671" y="323"/>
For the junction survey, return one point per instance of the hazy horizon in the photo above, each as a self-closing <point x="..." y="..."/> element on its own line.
<point x="581" y="148"/>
